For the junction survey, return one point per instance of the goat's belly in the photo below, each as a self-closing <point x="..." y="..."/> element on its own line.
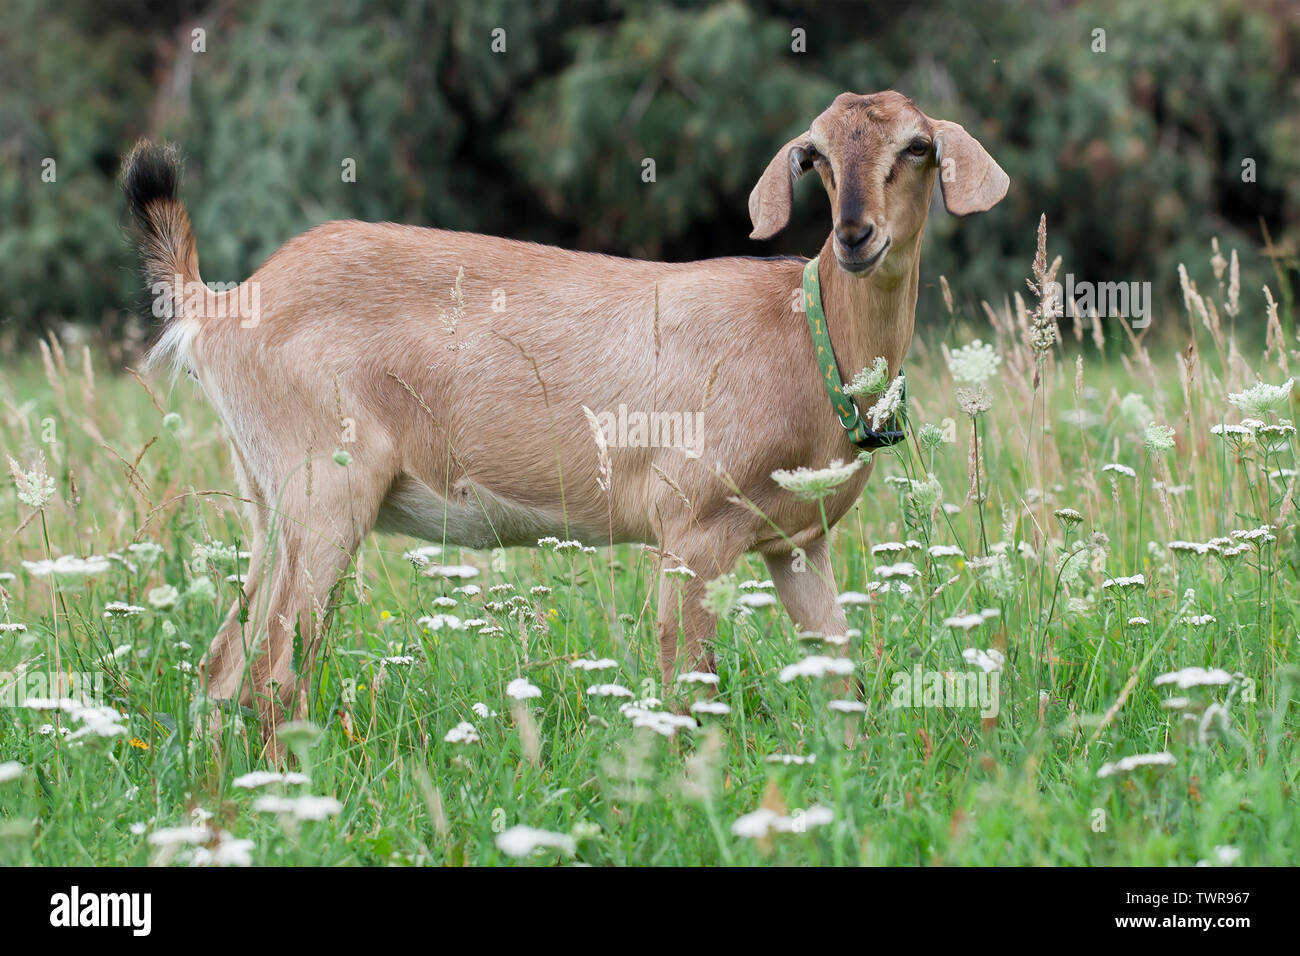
<point x="471" y="516"/>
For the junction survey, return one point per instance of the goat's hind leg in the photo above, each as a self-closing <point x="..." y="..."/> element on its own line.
<point x="224" y="669"/>
<point x="313" y="541"/>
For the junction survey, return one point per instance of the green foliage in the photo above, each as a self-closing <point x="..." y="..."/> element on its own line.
<point x="1134" y="153"/>
<point x="911" y="783"/>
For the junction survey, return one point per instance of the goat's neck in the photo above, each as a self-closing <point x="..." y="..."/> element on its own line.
<point x="872" y="316"/>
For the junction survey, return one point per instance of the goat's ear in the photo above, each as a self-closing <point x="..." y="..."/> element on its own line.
<point x="772" y="197"/>
<point x="970" y="178"/>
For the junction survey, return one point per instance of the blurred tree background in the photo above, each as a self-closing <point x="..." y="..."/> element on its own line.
<point x="1184" y="127"/>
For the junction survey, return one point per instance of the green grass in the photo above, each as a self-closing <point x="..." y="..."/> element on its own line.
<point x="918" y="785"/>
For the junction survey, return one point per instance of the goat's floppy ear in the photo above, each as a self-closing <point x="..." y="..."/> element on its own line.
<point x="970" y="178"/>
<point x="772" y="197"/>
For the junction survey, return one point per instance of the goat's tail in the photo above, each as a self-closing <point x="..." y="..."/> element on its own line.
<point x="150" y="178"/>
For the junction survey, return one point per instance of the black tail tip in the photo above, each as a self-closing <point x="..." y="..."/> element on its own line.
<point x="151" y="172"/>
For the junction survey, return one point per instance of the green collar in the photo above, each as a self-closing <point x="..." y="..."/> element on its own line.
<point x="846" y="409"/>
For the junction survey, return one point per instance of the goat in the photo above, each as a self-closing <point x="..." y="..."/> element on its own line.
<point x="469" y="425"/>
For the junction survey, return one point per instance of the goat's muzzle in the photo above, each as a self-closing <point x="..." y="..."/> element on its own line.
<point x="864" y="263"/>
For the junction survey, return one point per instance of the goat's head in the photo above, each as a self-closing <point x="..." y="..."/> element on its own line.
<point x="877" y="156"/>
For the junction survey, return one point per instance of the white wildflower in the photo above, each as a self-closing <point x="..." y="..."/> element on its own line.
<point x="305" y="807"/>
<point x="815" y="665"/>
<point x="1129" y="764"/>
<point x="974" y="364"/>
<point x="522" y="841"/>
<point x="811" y="484"/>
<point x="988" y="661"/>
<point x="1194" y="677"/>
<point x="584" y="664"/>
<point x="710" y="707"/>
<point x="1262" y="398"/>
<point x="462" y="733"/>
<point x="521" y="689"/>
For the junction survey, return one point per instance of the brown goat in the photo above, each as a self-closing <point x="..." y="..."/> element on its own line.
<point x="466" y="414"/>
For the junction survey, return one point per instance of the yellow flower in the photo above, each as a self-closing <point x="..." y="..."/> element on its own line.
<point x="553" y="613"/>
<point x="138" y="744"/>
<point x="384" y="615"/>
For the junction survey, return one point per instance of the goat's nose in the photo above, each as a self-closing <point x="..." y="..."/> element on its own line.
<point x="854" y="235"/>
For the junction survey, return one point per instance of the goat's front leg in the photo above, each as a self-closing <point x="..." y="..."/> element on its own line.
<point x="806" y="585"/>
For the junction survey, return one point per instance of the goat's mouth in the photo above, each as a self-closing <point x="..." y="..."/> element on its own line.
<point x="864" y="265"/>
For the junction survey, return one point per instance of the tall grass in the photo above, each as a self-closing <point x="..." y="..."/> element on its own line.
<point x="1093" y="581"/>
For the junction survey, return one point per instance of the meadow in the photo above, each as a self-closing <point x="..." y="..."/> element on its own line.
<point x="1097" y="528"/>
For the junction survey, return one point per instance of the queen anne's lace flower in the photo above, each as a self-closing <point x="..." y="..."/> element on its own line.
<point x="813" y="483"/>
<point x="1135" y="762"/>
<point x="1262" y="398"/>
<point x="974" y="364"/>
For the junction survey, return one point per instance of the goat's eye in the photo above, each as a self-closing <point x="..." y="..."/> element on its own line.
<point x="918" y="147"/>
